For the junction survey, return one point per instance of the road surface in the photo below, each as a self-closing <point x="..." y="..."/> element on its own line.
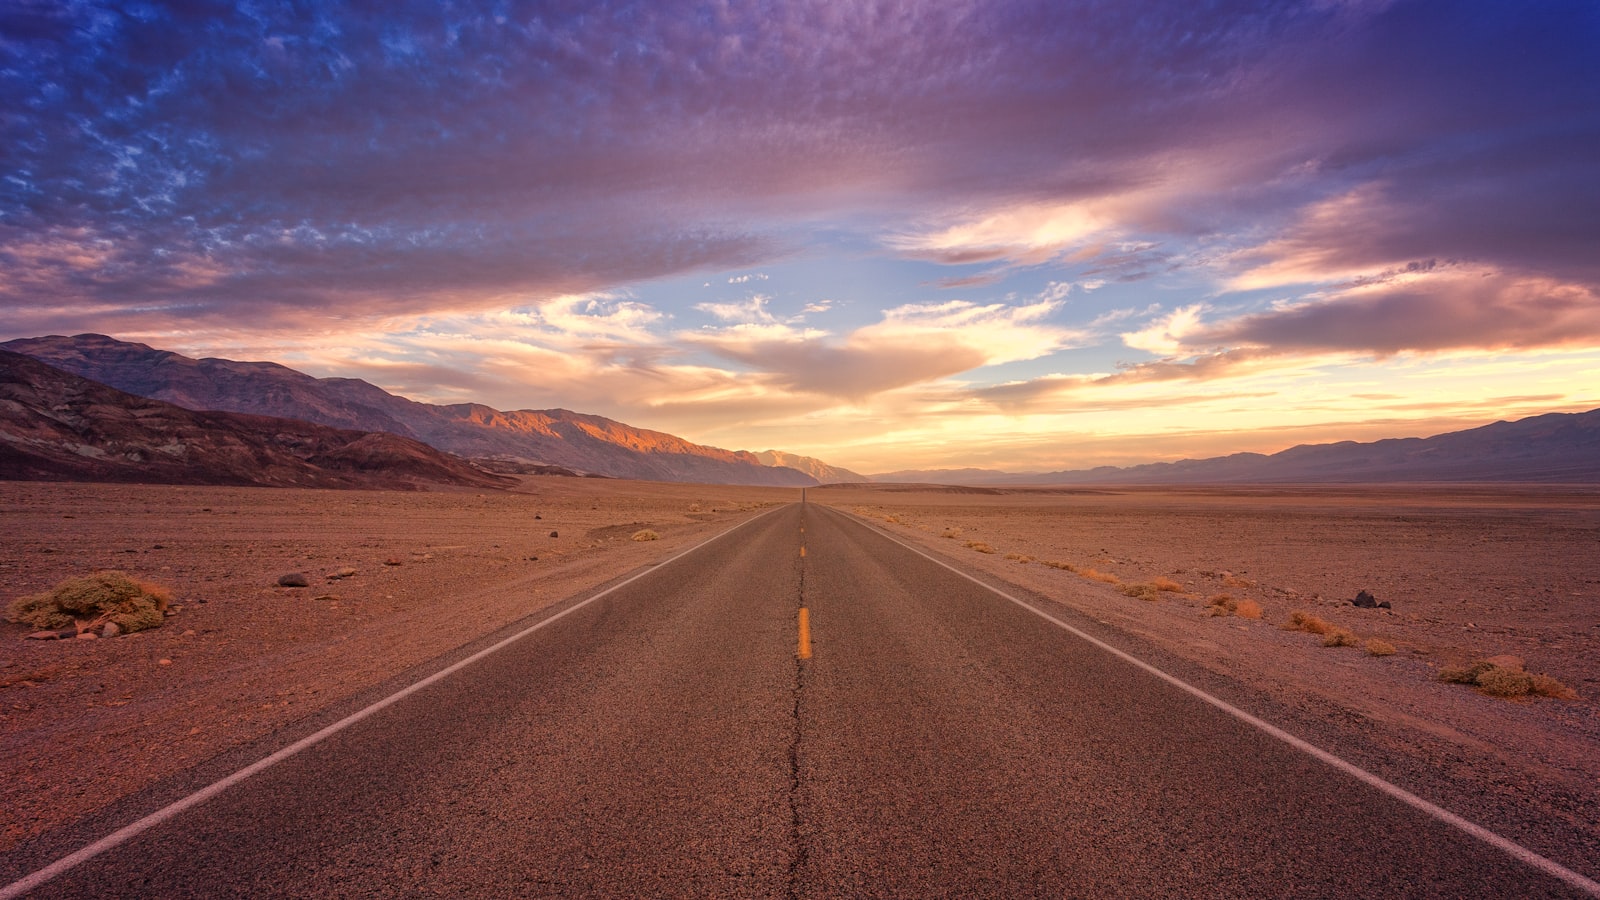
<point x="682" y="736"/>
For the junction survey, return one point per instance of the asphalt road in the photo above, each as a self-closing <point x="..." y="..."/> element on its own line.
<point x="669" y="740"/>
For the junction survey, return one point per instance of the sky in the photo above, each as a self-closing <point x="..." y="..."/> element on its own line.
<point x="1027" y="236"/>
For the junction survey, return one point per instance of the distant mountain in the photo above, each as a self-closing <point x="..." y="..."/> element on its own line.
<point x="943" y="476"/>
<point x="550" y="437"/>
<point x="816" y="468"/>
<point x="55" y="425"/>
<point x="1554" y="448"/>
<point x="1557" y="447"/>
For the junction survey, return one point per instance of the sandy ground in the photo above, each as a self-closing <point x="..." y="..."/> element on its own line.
<point x="1471" y="572"/>
<point x="84" y="723"/>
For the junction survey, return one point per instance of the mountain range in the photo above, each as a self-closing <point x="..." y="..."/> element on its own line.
<point x="57" y="426"/>
<point x="518" y="440"/>
<point x="1554" y="448"/>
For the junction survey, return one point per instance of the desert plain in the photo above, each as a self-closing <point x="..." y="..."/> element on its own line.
<point x="1470" y="572"/>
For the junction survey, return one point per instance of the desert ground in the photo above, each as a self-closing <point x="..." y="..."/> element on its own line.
<point x="84" y="723"/>
<point x="1470" y="573"/>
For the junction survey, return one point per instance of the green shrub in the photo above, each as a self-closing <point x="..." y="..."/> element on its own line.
<point x="94" y="600"/>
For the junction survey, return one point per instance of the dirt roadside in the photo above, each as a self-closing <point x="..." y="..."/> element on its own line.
<point x="1469" y="572"/>
<point x="84" y="723"/>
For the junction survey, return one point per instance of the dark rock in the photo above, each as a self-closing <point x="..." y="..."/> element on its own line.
<point x="537" y="516"/>
<point x="293" y="579"/>
<point x="1384" y="604"/>
<point x="555" y="534"/>
<point x="1365" y="601"/>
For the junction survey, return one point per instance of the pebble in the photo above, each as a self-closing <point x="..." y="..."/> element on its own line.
<point x="164" y="662"/>
<point x="342" y="573"/>
<point x="111" y="630"/>
<point x="293" y="579"/>
<point x="88" y="636"/>
<point x="392" y="561"/>
<point x="555" y="534"/>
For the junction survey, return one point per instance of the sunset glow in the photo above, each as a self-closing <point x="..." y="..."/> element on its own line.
<point x="1027" y="236"/>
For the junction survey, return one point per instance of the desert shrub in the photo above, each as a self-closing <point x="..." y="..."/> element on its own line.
<point x="980" y="546"/>
<point x="951" y="532"/>
<point x="1247" y="609"/>
<point x="646" y="535"/>
<point x="1463" y="674"/>
<point x="94" y="600"/>
<point x="1499" y="681"/>
<point x="1019" y="557"/>
<point x="1141" y="591"/>
<point x="1547" y="686"/>
<point x="1300" y="620"/>
<point x="1064" y="566"/>
<point x="1095" y="575"/>
<point x="1506" y="681"/>
<point x="1232" y="580"/>
<point x="893" y="520"/>
<point x="1376" y="647"/>
<point x="1166" y="584"/>
<point x="1339" y="637"/>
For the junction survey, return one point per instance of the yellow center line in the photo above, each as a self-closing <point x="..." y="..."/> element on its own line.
<point x="804" y="650"/>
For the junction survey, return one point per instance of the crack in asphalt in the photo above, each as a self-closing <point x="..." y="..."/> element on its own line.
<point x="797" y="858"/>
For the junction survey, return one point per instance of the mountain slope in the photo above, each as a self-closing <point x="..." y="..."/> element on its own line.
<point x="816" y="468"/>
<point x="555" y="437"/>
<point x="56" y="425"/>
<point x="1556" y="447"/>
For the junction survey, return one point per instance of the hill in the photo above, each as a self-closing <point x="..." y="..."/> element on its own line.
<point x="55" y="425"/>
<point x="549" y="437"/>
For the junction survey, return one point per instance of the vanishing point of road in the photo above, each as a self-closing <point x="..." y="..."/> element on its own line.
<point x="801" y="707"/>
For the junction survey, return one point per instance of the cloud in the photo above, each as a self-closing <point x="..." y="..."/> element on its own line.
<point x="1425" y="311"/>
<point x="748" y="312"/>
<point x="911" y="344"/>
<point x="252" y="161"/>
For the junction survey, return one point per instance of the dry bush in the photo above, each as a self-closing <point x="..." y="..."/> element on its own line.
<point x="1141" y="591"/>
<point x="1020" y="557"/>
<point x="1247" y="609"/>
<point x="1376" y="647"/>
<point x="1339" y="637"/>
<point x="646" y="535"/>
<point x="1166" y="584"/>
<point x="893" y="520"/>
<point x="1502" y="682"/>
<point x="1095" y="575"/>
<point x="1064" y="566"/>
<point x="1548" y="686"/>
<point x="1464" y="674"/>
<point x="1235" y="581"/>
<point x="694" y="507"/>
<point x="951" y="532"/>
<point x="93" y="600"/>
<point x="1506" y="681"/>
<point x="980" y="546"/>
<point x="1300" y="620"/>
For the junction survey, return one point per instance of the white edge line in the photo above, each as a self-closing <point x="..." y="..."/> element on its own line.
<point x="1506" y="845"/>
<point x="128" y="832"/>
